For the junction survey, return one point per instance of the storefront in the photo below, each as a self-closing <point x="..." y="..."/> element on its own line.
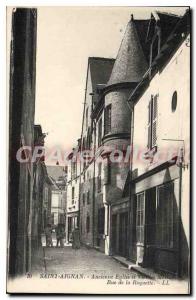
<point x="72" y="222"/>
<point x="155" y="226"/>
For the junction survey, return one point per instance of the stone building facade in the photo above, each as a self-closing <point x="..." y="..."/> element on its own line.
<point x="128" y="102"/>
<point x="39" y="176"/>
<point x="91" y="201"/>
<point x="160" y="180"/>
<point x="73" y="186"/>
<point x="57" y="177"/>
<point x="21" y="133"/>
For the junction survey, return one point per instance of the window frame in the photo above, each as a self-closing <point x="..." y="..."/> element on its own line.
<point x="73" y="193"/>
<point x="140" y="216"/>
<point x="107" y="119"/>
<point x="83" y="199"/>
<point x="152" y="122"/>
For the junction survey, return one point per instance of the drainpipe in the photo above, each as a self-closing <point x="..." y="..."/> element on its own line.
<point x="180" y="209"/>
<point x="130" y="206"/>
<point x="93" y="213"/>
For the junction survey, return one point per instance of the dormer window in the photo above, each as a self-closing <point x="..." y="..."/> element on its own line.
<point x="154" y="48"/>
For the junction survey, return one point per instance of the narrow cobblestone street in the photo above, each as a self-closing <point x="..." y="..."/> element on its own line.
<point x="84" y="261"/>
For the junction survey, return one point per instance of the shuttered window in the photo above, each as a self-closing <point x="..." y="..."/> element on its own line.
<point x="140" y="217"/>
<point x="73" y="169"/>
<point x="152" y="121"/>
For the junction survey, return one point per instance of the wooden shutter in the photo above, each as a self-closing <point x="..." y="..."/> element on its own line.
<point x="149" y="144"/>
<point x="154" y="120"/>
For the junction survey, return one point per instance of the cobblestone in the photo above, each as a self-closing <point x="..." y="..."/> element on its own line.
<point x="86" y="261"/>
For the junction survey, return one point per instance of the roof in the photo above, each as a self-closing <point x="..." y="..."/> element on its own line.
<point x="142" y="30"/>
<point x="174" y="39"/>
<point x="100" y="70"/>
<point x="167" y="22"/>
<point x="131" y="63"/>
<point x="55" y="172"/>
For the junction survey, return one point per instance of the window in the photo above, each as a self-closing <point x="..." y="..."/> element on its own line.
<point x="152" y="122"/>
<point x="55" y="200"/>
<point x="140" y="217"/>
<point x="88" y="197"/>
<point x="99" y="132"/>
<point x="99" y="178"/>
<point x="101" y="220"/>
<point x="83" y="199"/>
<point x="165" y="216"/>
<point x="87" y="224"/>
<point x="174" y="101"/>
<point x="73" y="192"/>
<point x="74" y="169"/>
<point x="107" y="119"/>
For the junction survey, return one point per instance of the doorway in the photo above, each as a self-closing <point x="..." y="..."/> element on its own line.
<point x="123" y="227"/>
<point x="114" y="234"/>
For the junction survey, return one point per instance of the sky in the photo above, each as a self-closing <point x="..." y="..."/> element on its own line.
<point x="66" y="37"/>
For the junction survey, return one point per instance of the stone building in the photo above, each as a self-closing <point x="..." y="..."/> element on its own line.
<point x="39" y="177"/>
<point x="57" y="177"/>
<point x="47" y="197"/>
<point x="160" y="178"/>
<point x="73" y="188"/>
<point x="21" y="133"/>
<point x="135" y="103"/>
<point x="110" y="119"/>
<point x="98" y="73"/>
<point x="129" y="67"/>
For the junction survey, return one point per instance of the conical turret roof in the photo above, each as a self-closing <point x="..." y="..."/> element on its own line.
<point x="130" y="64"/>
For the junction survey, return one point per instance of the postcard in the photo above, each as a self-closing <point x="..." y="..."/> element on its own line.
<point x="99" y="150"/>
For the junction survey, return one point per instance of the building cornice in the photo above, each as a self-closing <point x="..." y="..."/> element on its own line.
<point x="155" y="170"/>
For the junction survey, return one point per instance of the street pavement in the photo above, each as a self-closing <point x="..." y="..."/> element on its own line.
<point x="86" y="261"/>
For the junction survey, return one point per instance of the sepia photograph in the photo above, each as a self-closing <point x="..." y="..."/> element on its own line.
<point x="98" y="150"/>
